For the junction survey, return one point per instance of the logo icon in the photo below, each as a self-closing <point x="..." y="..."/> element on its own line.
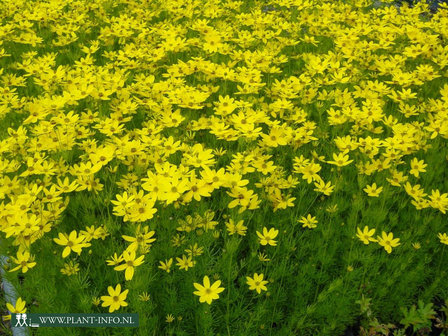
<point x="21" y="320"/>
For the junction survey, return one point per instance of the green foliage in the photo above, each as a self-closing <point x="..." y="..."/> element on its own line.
<point x="418" y="317"/>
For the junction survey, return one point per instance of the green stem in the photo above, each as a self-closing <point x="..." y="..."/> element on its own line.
<point x="275" y="306"/>
<point x="441" y="259"/>
<point x="228" y="296"/>
<point x="321" y="269"/>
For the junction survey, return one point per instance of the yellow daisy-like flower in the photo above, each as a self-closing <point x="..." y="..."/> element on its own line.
<point x="373" y="190"/>
<point x="238" y="227"/>
<point x="366" y="235"/>
<point x="24" y="261"/>
<point x="144" y="296"/>
<point x="116" y="298"/>
<point x="388" y="241"/>
<point x="308" y="221"/>
<point x="185" y="262"/>
<point x="206" y="292"/>
<point x="130" y="262"/>
<point x="443" y="238"/>
<point x="72" y="242"/>
<point x="267" y="237"/>
<point x="18" y="308"/>
<point x="257" y="283"/>
<point x="166" y="265"/>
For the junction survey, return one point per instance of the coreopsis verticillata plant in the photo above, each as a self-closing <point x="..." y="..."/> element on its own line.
<point x="116" y="298"/>
<point x="373" y="190"/>
<point x="24" y="262"/>
<point x="166" y="265"/>
<point x="388" y="241"/>
<point x="208" y="292"/>
<point x="72" y="242"/>
<point x="308" y="221"/>
<point x="366" y="235"/>
<point x="18" y="308"/>
<point x="238" y="228"/>
<point x="257" y="283"/>
<point x="167" y="139"/>
<point x="443" y="238"/>
<point x="267" y="236"/>
<point x="131" y="261"/>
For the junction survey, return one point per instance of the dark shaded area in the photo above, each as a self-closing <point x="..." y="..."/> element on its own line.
<point x="433" y="4"/>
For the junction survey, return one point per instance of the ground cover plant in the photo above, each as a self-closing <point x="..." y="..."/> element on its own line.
<point x="271" y="167"/>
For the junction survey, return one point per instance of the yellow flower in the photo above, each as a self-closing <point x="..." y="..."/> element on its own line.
<point x="143" y="210"/>
<point x="185" y="263"/>
<point x="332" y="208"/>
<point x="130" y="262"/>
<point x="443" y="238"/>
<point x="242" y="197"/>
<point x="257" y="283"/>
<point x="173" y="189"/>
<point x="91" y="233"/>
<point x="324" y="188"/>
<point x="238" y="228"/>
<point x="263" y="257"/>
<point x="18" y="308"/>
<point x="123" y="204"/>
<point x="70" y="268"/>
<point x="24" y="261"/>
<point x="267" y="238"/>
<point x="373" y="190"/>
<point x="72" y="242"/>
<point x="366" y="235"/>
<point x="309" y="221"/>
<point x="142" y="238"/>
<point x="144" y="297"/>
<point x="208" y="293"/>
<point x="387" y="241"/>
<point x="417" y="167"/>
<point x="169" y="318"/>
<point x="310" y="39"/>
<point x="166" y="266"/>
<point x="114" y="260"/>
<point x="96" y="301"/>
<point x="177" y="240"/>
<point x="194" y="250"/>
<point x="116" y="298"/>
<point x="340" y="160"/>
